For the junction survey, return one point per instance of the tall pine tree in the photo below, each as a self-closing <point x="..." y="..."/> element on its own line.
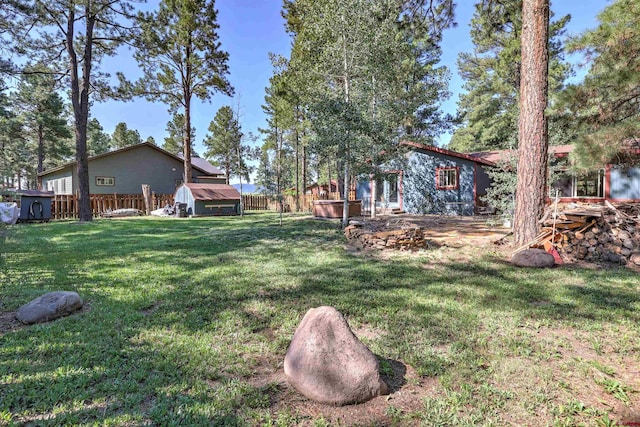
<point x="223" y="143"/>
<point x="488" y="110"/>
<point x="181" y="58"/>
<point x="605" y="105"/>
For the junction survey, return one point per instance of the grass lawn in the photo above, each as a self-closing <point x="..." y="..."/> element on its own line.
<point x="188" y="320"/>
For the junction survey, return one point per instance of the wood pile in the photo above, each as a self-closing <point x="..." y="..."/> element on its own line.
<point x="593" y="233"/>
<point x="410" y="238"/>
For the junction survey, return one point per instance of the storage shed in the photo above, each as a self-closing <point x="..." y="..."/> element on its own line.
<point x="208" y="199"/>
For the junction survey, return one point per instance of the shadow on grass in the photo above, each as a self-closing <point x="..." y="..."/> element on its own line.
<point x="185" y="310"/>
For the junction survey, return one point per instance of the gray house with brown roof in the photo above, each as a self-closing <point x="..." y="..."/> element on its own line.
<point x="124" y="171"/>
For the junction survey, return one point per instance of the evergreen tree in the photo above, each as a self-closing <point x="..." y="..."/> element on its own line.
<point x="180" y="56"/>
<point x="488" y="111"/>
<point x="11" y="141"/>
<point x="605" y="105"/>
<point x="98" y="141"/>
<point x="223" y="142"/>
<point x="44" y="118"/>
<point x="174" y="141"/>
<point x="124" y="137"/>
<point x="72" y="37"/>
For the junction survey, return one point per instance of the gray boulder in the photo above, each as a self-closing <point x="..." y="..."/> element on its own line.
<point x="536" y="258"/>
<point x="327" y="363"/>
<point x="49" y="307"/>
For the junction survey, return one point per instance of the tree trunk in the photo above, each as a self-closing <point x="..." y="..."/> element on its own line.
<point x="297" y="164"/>
<point x="374" y="194"/>
<point x="345" y="208"/>
<point x="186" y="87"/>
<point x="80" y="103"/>
<point x="187" y="142"/>
<point x="40" y="149"/>
<point x="533" y="132"/>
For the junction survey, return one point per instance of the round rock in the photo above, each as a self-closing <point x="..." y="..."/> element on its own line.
<point x="536" y="258"/>
<point x="327" y="363"/>
<point x="49" y="307"/>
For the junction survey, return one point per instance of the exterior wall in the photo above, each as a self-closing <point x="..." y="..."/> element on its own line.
<point x="624" y="184"/>
<point x="132" y="168"/>
<point x="420" y="193"/>
<point x="203" y="179"/>
<point x="216" y="207"/>
<point x="60" y="182"/>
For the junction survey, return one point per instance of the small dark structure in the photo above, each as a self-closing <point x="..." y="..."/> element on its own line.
<point x="208" y="199"/>
<point x="35" y="205"/>
<point x="333" y="208"/>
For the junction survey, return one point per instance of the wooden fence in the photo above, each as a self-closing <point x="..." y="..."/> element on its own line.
<point x="66" y="206"/>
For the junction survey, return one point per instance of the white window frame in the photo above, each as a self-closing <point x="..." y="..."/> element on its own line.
<point x="105" y="181"/>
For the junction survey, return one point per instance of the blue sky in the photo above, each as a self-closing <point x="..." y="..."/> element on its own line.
<point x="249" y="30"/>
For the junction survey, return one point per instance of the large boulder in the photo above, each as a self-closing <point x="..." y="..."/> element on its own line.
<point x="328" y="364"/>
<point x="536" y="258"/>
<point x="49" y="307"/>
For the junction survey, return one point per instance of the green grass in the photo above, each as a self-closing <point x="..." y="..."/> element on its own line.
<point x="185" y="315"/>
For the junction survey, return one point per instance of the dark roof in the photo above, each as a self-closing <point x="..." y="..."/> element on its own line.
<point x="498" y="155"/>
<point x="203" y="164"/>
<point x="212" y="191"/>
<point x="446" y="152"/>
<point x="134" y="147"/>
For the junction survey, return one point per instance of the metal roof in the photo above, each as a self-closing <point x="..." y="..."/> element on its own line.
<point x="213" y="191"/>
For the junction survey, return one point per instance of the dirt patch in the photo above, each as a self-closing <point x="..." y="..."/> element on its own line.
<point x="407" y="393"/>
<point x="9" y="323"/>
<point x="450" y="230"/>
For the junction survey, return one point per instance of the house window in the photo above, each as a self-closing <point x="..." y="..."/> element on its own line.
<point x="447" y="178"/>
<point x="108" y="181"/>
<point x="590" y="185"/>
<point x="585" y="185"/>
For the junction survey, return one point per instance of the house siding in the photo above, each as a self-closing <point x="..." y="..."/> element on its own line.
<point x="133" y="168"/>
<point x="60" y="182"/>
<point x="624" y="183"/>
<point x="420" y="193"/>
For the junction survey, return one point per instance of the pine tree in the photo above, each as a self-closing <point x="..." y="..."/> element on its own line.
<point x="181" y="58"/>
<point x="605" y="105"/>
<point x="174" y="140"/>
<point x="124" y="137"/>
<point x="98" y="141"/>
<point x="72" y="37"/>
<point x="488" y="111"/>
<point x="224" y="141"/>
<point x="44" y="118"/>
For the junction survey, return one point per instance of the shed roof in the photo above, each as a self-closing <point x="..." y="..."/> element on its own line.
<point x="213" y="191"/>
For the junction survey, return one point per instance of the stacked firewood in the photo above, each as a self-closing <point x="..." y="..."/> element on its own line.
<point x="607" y="233"/>
<point x="404" y="239"/>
